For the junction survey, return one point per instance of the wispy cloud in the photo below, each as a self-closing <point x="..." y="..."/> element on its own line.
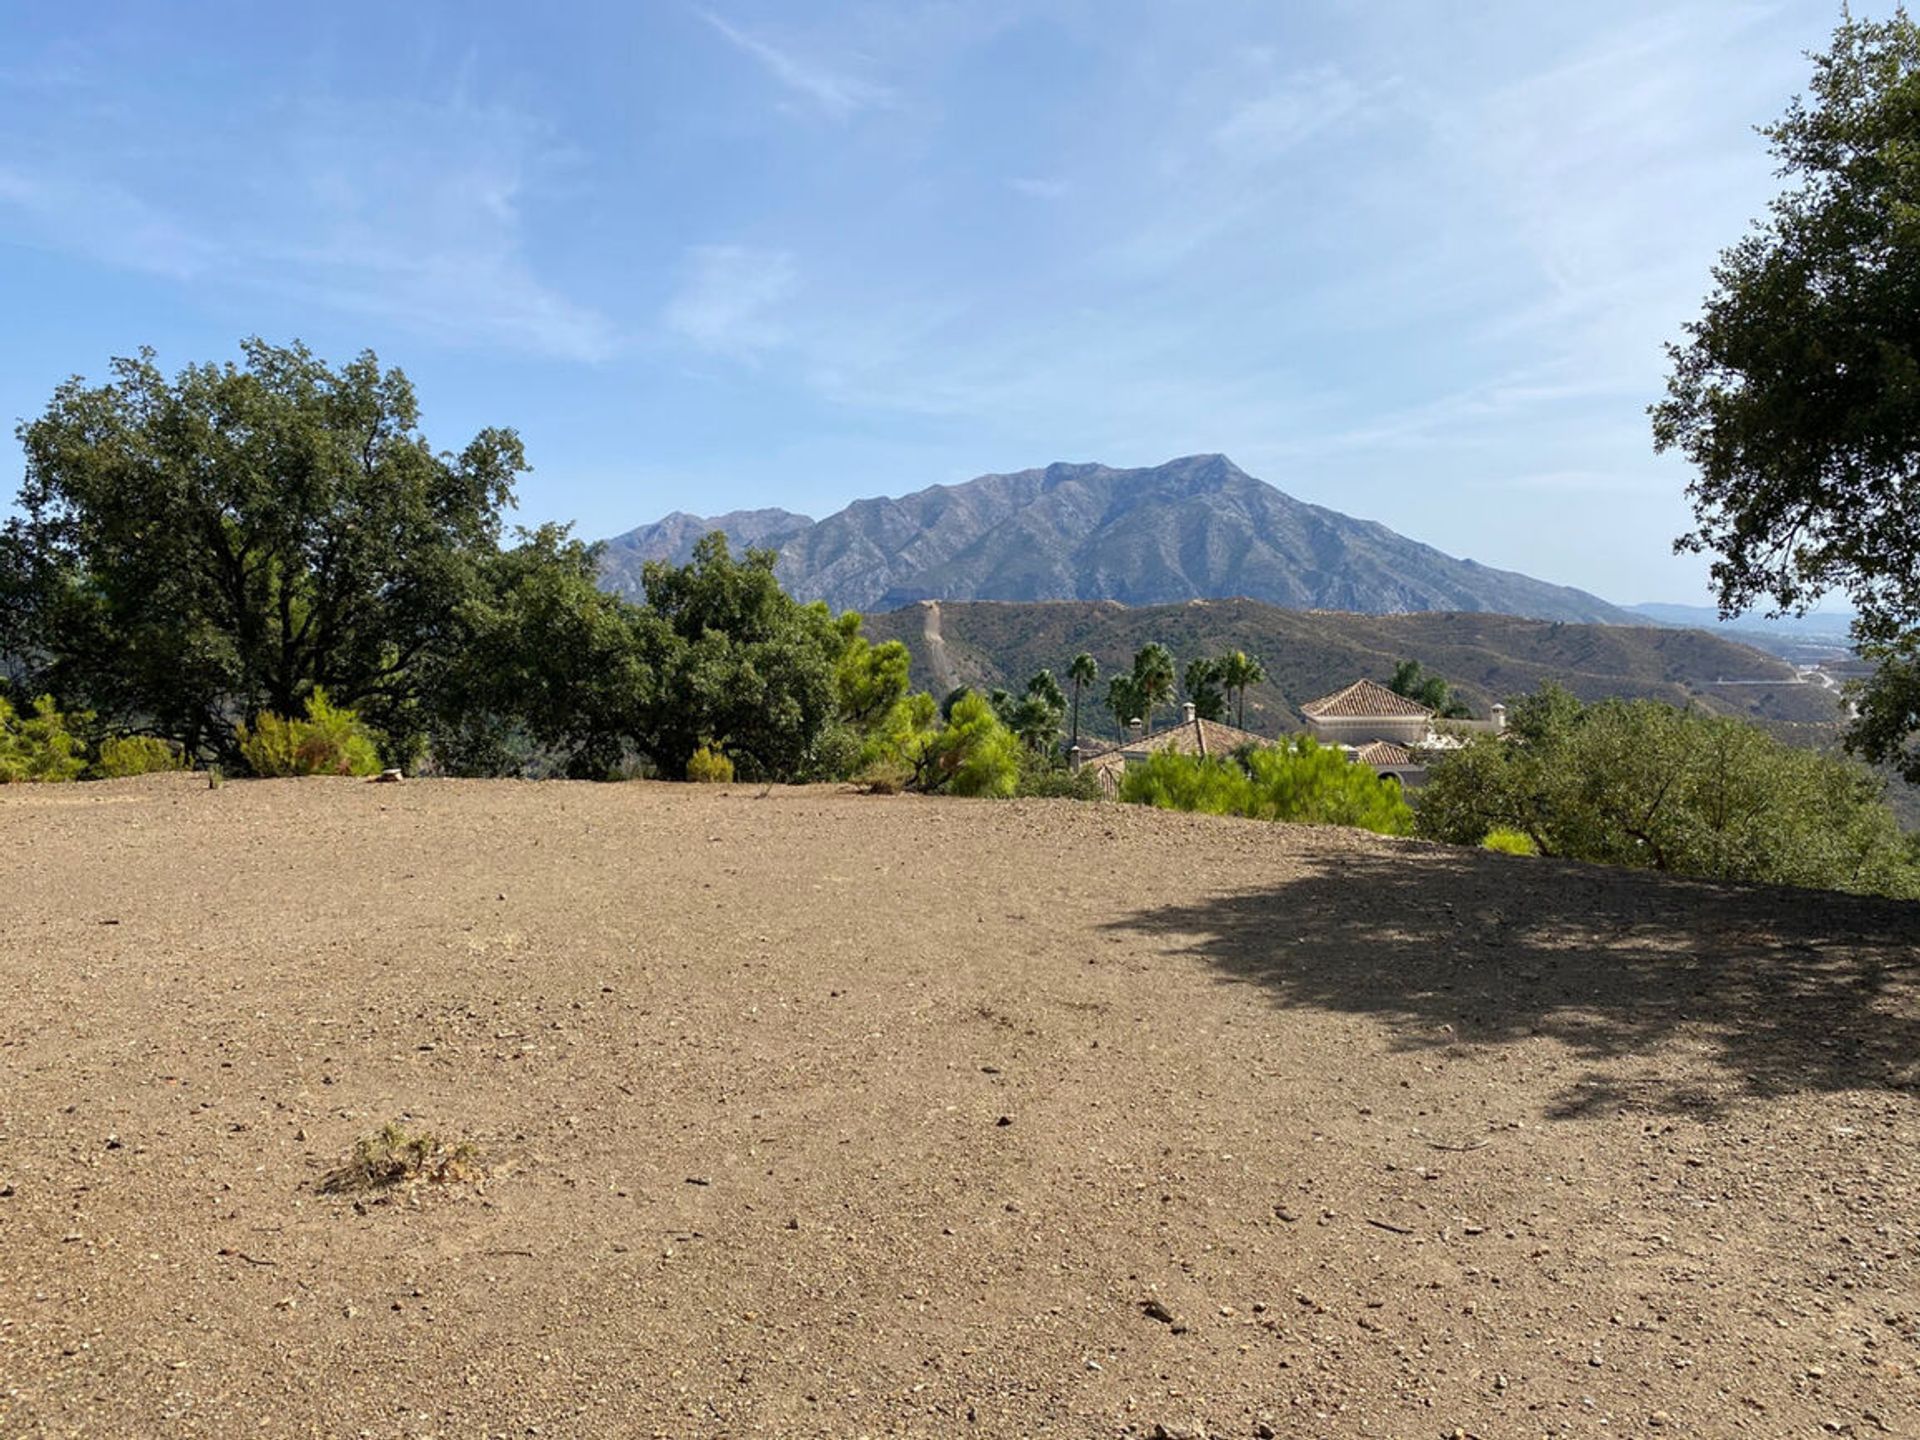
<point x="1038" y="188"/>
<point x="1294" y="109"/>
<point x="108" y="222"/>
<point x="410" y="211"/>
<point x="729" y="298"/>
<point x="821" y="87"/>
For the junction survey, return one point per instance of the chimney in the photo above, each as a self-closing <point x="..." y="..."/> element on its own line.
<point x="1499" y="713"/>
<point x="1135" y="725"/>
<point x="1188" y="718"/>
<point x="1073" y="759"/>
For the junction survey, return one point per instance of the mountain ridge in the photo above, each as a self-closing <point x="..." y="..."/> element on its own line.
<point x="1197" y="527"/>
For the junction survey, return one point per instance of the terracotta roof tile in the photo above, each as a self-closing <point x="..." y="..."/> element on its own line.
<point x="1364" y="700"/>
<point x="1384" y="752"/>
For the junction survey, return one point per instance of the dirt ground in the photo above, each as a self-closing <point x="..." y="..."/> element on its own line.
<point x="806" y="1113"/>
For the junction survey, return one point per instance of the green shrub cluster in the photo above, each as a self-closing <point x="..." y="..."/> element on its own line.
<point x="329" y="741"/>
<point x="122" y="756"/>
<point x="708" y="766"/>
<point x="1639" y="783"/>
<point x="39" y="745"/>
<point x="1300" y="781"/>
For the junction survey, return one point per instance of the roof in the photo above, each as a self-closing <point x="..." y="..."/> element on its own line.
<point x="1185" y="737"/>
<point x="1365" y="700"/>
<point x="1383" y="753"/>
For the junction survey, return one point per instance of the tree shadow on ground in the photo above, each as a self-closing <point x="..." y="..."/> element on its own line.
<point x="1778" y="991"/>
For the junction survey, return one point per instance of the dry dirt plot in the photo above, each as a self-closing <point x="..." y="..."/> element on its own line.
<point x="812" y="1114"/>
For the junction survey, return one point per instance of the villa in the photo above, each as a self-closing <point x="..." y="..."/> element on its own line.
<point x="1378" y="727"/>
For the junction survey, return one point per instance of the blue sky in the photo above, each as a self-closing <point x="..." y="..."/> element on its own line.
<point x="1409" y="260"/>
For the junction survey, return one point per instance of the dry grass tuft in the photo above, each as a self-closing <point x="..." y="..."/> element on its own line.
<point x="392" y="1157"/>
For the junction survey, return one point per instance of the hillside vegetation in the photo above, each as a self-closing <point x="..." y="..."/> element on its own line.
<point x="1311" y="653"/>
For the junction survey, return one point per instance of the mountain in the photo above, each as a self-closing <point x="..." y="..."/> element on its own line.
<point x="1195" y="528"/>
<point x="673" y="539"/>
<point x="1486" y="657"/>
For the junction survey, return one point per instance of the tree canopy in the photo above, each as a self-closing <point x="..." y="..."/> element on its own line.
<point x="194" y="550"/>
<point x="1796" y="395"/>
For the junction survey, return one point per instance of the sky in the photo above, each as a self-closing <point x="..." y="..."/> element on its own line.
<point x="1415" y="262"/>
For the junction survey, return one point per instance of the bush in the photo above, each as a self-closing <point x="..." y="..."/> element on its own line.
<point x="1643" y="784"/>
<point x="1043" y="778"/>
<point x="122" y="756"/>
<point x="38" y="747"/>
<point x="1307" y="783"/>
<point x="1301" y="782"/>
<point x="975" y="755"/>
<point x="329" y="741"/>
<point x="1205" y="784"/>
<point x="708" y="766"/>
<point x="1508" y="841"/>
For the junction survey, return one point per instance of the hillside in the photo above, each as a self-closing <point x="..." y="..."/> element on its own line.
<point x="1198" y="527"/>
<point x="1309" y="653"/>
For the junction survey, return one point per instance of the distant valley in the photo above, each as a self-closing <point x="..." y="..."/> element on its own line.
<point x="1307" y="654"/>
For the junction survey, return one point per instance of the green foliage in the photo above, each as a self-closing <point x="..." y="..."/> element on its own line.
<point x="1509" y="842"/>
<point x="736" y="660"/>
<point x="975" y="755"/>
<point x="1429" y="690"/>
<point x="1123" y="702"/>
<point x="1644" y="784"/>
<point x="122" y="756"/>
<point x="1307" y="783"/>
<point x="1796" y="396"/>
<point x="868" y="679"/>
<point x="1237" y="671"/>
<point x="225" y="541"/>
<point x="1207" y="784"/>
<point x="1044" y="777"/>
<point x="1301" y="782"/>
<point x="330" y="740"/>
<point x="707" y="766"/>
<point x="1153" y="672"/>
<point x="549" y="674"/>
<point x="1202" y="681"/>
<point x="39" y="745"/>
<point x="1035" y="717"/>
<point x="1886" y="726"/>
<point x="1083" y="674"/>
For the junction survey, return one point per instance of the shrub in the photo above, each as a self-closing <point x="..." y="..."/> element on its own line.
<point x="1307" y="783"/>
<point x="1206" y="784"/>
<point x="1509" y="841"/>
<point x="38" y="746"/>
<point x="1644" y="784"/>
<point x="390" y="1156"/>
<point x="329" y="741"/>
<point x="708" y="766"/>
<point x="975" y="755"/>
<point x="122" y="756"/>
<point x="1301" y="782"/>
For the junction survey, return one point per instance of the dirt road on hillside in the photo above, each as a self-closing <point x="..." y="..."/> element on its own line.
<point x="824" y="1115"/>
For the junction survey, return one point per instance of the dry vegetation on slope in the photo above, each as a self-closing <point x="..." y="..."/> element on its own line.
<point x="814" y="1114"/>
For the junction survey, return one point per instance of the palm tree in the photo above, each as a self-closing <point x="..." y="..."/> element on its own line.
<point x="1153" y="674"/>
<point x="1084" y="674"/>
<point x="1123" y="699"/>
<point x="1238" y="670"/>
